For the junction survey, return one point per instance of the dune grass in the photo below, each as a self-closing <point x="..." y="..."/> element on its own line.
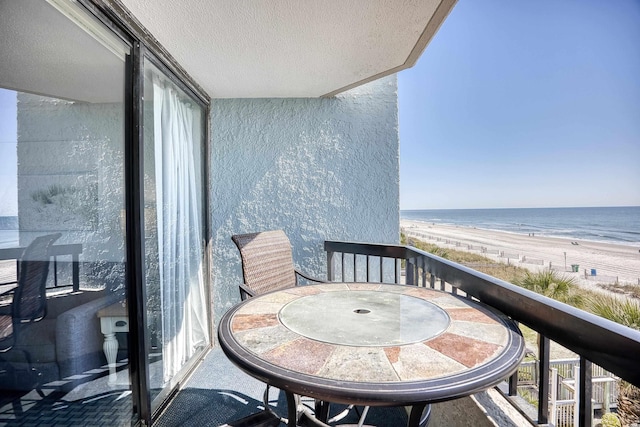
<point x="624" y="289"/>
<point x="625" y="311"/>
<point x="553" y="285"/>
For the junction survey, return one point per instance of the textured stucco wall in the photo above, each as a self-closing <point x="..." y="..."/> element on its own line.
<point x="321" y="169"/>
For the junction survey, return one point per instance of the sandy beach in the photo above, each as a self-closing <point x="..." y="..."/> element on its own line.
<point x="611" y="262"/>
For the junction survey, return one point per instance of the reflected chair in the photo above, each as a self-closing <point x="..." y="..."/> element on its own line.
<point x="267" y="263"/>
<point x="29" y="303"/>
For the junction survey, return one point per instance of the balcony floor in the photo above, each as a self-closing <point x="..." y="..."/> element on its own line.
<point x="218" y="393"/>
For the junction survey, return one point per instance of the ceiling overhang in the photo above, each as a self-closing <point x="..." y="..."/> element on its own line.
<point x="290" y="48"/>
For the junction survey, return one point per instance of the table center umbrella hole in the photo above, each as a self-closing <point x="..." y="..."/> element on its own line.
<point x="361" y="311"/>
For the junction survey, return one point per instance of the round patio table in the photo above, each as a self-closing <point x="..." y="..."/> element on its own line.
<point x="371" y="344"/>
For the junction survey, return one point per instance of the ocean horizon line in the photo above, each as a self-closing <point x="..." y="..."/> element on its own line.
<point x="530" y="207"/>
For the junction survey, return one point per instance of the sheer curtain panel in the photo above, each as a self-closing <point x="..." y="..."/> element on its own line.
<point x="180" y="243"/>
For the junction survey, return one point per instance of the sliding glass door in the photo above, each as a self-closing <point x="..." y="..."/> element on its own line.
<point x="62" y="233"/>
<point x="174" y="216"/>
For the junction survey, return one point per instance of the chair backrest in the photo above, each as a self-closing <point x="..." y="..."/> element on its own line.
<point x="7" y="335"/>
<point x="267" y="262"/>
<point x="30" y="299"/>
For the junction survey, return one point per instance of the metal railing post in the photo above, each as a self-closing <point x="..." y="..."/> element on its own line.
<point x="585" y="390"/>
<point x="355" y="267"/>
<point x="368" y="268"/>
<point x="543" y="379"/>
<point x="409" y="271"/>
<point x="55" y="271"/>
<point x="75" y="268"/>
<point x="330" y="271"/>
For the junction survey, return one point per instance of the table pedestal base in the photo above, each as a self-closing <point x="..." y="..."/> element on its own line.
<point x="419" y="415"/>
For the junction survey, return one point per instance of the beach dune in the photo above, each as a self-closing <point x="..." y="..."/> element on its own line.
<point x="609" y="262"/>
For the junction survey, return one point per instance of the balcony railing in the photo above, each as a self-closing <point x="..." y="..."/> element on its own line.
<point x="595" y="340"/>
<point x="69" y="250"/>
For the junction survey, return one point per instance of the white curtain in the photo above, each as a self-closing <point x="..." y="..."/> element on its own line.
<point x="180" y="244"/>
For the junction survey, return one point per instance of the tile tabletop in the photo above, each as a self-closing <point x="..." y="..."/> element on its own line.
<point x="370" y="333"/>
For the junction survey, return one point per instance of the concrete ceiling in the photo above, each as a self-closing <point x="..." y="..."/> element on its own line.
<point x="60" y="59"/>
<point x="290" y="48"/>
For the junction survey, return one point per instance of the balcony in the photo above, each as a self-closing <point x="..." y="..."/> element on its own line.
<point x="219" y="391"/>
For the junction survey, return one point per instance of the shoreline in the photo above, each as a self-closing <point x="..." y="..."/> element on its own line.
<point x="635" y="245"/>
<point x="611" y="262"/>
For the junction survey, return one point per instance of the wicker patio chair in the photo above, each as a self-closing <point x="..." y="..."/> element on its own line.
<point x="267" y="263"/>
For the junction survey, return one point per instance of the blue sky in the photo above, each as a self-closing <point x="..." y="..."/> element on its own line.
<point x="524" y="104"/>
<point x="8" y="157"/>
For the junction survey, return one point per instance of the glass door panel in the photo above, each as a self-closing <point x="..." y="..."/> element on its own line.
<point x="174" y="230"/>
<point x="62" y="238"/>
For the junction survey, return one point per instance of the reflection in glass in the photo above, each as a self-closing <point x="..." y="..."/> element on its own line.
<point x="62" y="243"/>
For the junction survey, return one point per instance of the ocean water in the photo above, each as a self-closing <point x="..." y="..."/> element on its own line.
<point x="8" y="231"/>
<point x="619" y="225"/>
